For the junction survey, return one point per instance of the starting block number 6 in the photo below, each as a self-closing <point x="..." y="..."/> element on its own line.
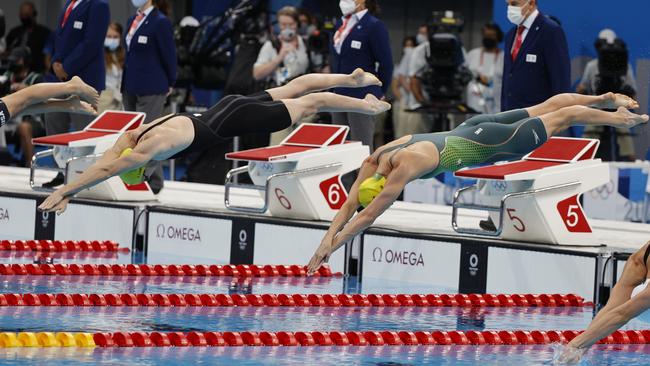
<point x="334" y="193"/>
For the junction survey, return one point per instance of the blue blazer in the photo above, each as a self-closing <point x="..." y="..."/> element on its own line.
<point x="79" y="44"/>
<point x="542" y="67"/>
<point x="150" y="63"/>
<point x="372" y="46"/>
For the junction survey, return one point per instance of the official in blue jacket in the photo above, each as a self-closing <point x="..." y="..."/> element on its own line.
<point x="149" y="67"/>
<point x="537" y="66"/>
<point x="361" y="41"/>
<point x="78" y="51"/>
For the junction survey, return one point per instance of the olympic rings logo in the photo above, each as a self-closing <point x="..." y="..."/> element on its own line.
<point x="603" y="192"/>
<point x="499" y="185"/>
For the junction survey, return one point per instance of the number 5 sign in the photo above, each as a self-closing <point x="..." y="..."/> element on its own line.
<point x="333" y="192"/>
<point x="572" y="215"/>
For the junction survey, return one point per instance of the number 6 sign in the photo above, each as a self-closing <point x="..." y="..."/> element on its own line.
<point x="334" y="193"/>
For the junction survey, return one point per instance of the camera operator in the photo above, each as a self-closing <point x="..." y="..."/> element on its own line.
<point x="610" y="72"/>
<point x="438" y="70"/>
<point x="283" y="58"/>
<point x="20" y="76"/>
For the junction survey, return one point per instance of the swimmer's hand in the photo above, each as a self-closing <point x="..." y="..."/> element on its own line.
<point x="321" y="256"/>
<point x="56" y="202"/>
<point x="570" y="355"/>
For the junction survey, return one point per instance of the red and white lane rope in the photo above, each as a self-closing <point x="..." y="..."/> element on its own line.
<point x="295" y="300"/>
<point x="61" y="246"/>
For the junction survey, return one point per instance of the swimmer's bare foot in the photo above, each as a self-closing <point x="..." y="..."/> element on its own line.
<point x="85" y="91"/>
<point x="76" y="105"/>
<point x="376" y="106"/>
<point x="615" y="100"/>
<point x="361" y="78"/>
<point x="629" y="119"/>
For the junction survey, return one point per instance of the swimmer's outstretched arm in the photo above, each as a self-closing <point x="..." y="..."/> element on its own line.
<point x="343" y="229"/>
<point x="620" y="309"/>
<point x="110" y="164"/>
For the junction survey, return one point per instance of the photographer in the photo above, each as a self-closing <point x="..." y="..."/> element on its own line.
<point x="610" y="72"/>
<point x="282" y="59"/>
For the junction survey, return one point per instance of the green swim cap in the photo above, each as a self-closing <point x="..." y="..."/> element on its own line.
<point x="132" y="177"/>
<point x="370" y="188"/>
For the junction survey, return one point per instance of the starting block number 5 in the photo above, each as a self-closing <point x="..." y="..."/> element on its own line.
<point x="572" y="215"/>
<point x="333" y="191"/>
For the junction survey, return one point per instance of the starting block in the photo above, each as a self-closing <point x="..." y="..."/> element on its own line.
<point x="74" y="152"/>
<point x="301" y="177"/>
<point x="536" y="199"/>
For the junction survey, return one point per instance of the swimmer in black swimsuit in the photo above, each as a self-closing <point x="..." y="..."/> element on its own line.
<point x="235" y="115"/>
<point x="481" y="139"/>
<point x="39" y="98"/>
<point x="629" y="298"/>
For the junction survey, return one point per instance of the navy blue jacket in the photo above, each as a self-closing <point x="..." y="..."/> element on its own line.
<point x="374" y="49"/>
<point x="150" y="64"/>
<point x="79" y="45"/>
<point x="542" y="67"/>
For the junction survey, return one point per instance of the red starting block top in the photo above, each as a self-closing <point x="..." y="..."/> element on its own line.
<point x="268" y="153"/>
<point x="556" y="151"/>
<point x="107" y="123"/>
<point x="65" y="138"/>
<point x="500" y="171"/>
<point x="317" y="135"/>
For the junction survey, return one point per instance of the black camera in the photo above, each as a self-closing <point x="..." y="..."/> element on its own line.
<point x="318" y="46"/>
<point x="446" y="75"/>
<point x="612" y="67"/>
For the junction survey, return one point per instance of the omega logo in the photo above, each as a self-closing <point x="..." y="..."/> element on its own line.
<point x="407" y="258"/>
<point x="182" y="233"/>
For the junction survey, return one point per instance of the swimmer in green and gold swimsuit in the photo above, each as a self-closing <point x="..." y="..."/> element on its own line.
<point x="481" y="139"/>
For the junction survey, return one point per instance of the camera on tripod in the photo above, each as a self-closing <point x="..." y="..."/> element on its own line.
<point x="446" y="75"/>
<point x="612" y="67"/>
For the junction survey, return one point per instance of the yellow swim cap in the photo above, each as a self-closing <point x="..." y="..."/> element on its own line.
<point x="132" y="177"/>
<point x="370" y="188"/>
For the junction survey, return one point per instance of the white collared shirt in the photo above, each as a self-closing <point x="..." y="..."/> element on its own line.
<point x="146" y="14"/>
<point x="528" y="23"/>
<point x="77" y="4"/>
<point x="354" y="19"/>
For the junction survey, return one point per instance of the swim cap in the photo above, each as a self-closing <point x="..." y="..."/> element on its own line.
<point x="370" y="188"/>
<point x="132" y="177"/>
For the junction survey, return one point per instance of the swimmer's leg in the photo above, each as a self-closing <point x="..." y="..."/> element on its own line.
<point x="311" y="104"/>
<point x="315" y="82"/>
<point x="40" y="93"/>
<point x="566" y="117"/>
<point x="605" y="101"/>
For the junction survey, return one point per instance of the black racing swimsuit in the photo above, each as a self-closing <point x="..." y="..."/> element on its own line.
<point x="233" y="115"/>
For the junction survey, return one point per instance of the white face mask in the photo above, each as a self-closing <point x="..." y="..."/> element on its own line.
<point x="421" y="38"/>
<point x="112" y="43"/>
<point x="347" y="6"/>
<point x="138" y="3"/>
<point x="515" y="15"/>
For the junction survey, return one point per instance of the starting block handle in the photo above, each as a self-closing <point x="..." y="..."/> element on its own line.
<point x="260" y="210"/>
<point x="34" y="166"/>
<point x="500" y="209"/>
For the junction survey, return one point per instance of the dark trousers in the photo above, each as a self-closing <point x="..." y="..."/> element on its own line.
<point x="153" y="106"/>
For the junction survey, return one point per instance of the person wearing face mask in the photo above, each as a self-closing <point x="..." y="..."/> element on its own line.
<point x="31" y="34"/>
<point x="483" y="62"/>
<point x="537" y="65"/>
<point x="114" y="53"/>
<point x="149" y="68"/>
<point x="307" y="23"/>
<point x="361" y="40"/>
<point x="282" y="59"/>
<point x="78" y="50"/>
<point x="401" y="89"/>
